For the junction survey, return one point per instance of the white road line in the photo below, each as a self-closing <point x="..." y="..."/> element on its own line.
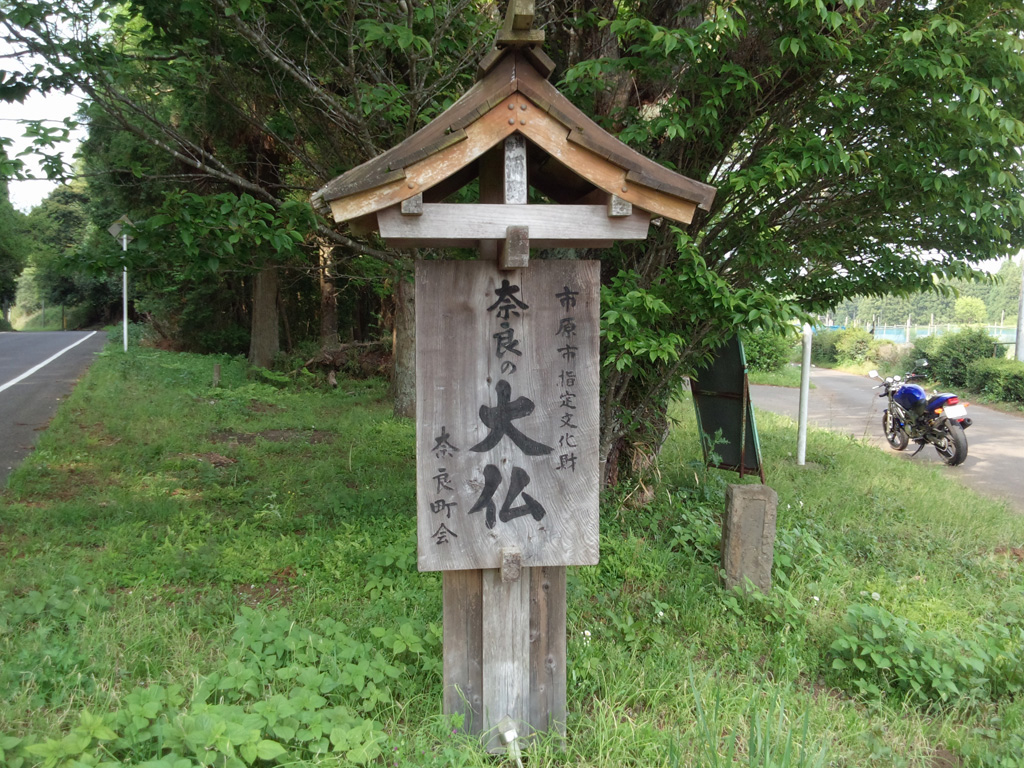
<point x="49" y="360"/>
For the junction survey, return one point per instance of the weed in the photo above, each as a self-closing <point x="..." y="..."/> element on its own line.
<point x="252" y="601"/>
<point x="878" y="650"/>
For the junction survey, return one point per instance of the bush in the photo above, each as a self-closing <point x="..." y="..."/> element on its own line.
<point x="823" y="347"/>
<point x="878" y="651"/>
<point x="884" y="351"/>
<point x="766" y="351"/>
<point x="5" y="326"/>
<point x="956" y="351"/>
<point x="853" y="345"/>
<point x="1001" y="378"/>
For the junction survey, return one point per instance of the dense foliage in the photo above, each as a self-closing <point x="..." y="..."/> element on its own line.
<point x="999" y="378"/>
<point x="767" y="351"/>
<point x="12" y="259"/>
<point x="847" y="142"/>
<point x="953" y="354"/>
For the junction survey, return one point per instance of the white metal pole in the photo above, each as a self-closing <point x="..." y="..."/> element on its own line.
<point x="124" y="292"/>
<point x="1019" y="339"/>
<point x="805" y="391"/>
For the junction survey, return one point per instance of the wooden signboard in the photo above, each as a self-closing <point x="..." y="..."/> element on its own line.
<point x="507" y="414"/>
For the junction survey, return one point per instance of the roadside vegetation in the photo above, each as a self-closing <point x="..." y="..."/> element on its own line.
<point x="227" y="576"/>
<point x="963" y="360"/>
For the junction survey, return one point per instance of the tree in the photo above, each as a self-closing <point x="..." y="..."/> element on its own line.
<point x="54" y="232"/>
<point x="970" y="310"/>
<point x="859" y="149"/>
<point x="261" y="99"/>
<point x="12" y="256"/>
<point x="1004" y="300"/>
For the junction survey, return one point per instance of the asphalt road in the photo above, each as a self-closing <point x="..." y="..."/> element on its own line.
<point x="847" y="403"/>
<point x="37" y="371"/>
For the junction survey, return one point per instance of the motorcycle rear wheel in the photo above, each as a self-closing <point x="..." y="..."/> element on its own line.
<point x="894" y="434"/>
<point x="953" y="445"/>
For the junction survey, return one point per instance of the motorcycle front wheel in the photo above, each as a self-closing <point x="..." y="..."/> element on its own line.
<point x="893" y="432"/>
<point x="952" y="444"/>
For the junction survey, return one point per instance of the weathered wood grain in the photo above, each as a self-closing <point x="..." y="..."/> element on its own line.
<point x="514" y="252"/>
<point x="550" y="135"/>
<point x="506" y="652"/>
<point x="462" y="595"/>
<point x="521" y="12"/>
<point x="548" y="649"/>
<point x="516" y="188"/>
<point x="482" y="134"/>
<point x="413" y="206"/>
<point x="451" y="225"/>
<point x="461" y="380"/>
<point x="616" y="206"/>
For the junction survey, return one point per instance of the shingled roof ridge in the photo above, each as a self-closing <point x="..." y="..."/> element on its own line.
<point x="512" y="70"/>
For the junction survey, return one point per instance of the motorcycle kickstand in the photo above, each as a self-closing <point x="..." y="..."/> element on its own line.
<point x="920" y="448"/>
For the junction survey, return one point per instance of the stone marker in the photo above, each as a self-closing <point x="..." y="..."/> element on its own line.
<point x="748" y="536"/>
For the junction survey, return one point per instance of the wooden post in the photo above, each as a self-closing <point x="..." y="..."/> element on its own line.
<point x="505" y="640"/>
<point x="462" y="595"/>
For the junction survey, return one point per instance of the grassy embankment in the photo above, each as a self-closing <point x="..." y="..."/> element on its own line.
<point x="53" y="319"/>
<point x="203" y="575"/>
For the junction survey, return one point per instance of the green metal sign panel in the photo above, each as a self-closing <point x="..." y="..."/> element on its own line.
<point x="725" y="417"/>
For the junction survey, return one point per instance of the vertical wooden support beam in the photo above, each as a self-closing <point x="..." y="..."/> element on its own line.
<point x="505" y="638"/>
<point x="515" y="170"/>
<point x="492" y="190"/>
<point x="514" y="252"/>
<point x="522" y="13"/>
<point x="506" y="653"/>
<point x="547" y="649"/>
<point x="462" y="593"/>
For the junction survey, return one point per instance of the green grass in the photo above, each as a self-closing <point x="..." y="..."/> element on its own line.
<point x="179" y="559"/>
<point x="787" y="376"/>
<point x="53" y="320"/>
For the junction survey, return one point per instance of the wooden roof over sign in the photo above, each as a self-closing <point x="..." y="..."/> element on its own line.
<point x="569" y="155"/>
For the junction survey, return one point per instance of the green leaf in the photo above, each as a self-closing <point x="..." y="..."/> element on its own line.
<point x="269" y="750"/>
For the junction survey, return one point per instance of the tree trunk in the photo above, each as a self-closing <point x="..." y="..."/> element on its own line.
<point x="264" y="341"/>
<point x="403" y="381"/>
<point x="328" y="300"/>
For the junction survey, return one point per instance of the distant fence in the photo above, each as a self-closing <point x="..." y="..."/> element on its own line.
<point x="897" y="334"/>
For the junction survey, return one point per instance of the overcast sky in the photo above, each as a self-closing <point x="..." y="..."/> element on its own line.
<point x="25" y="195"/>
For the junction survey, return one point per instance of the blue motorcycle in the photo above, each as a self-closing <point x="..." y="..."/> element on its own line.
<point x="939" y="420"/>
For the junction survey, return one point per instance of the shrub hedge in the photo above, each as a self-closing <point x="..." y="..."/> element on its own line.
<point x="766" y="351"/>
<point x="854" y="345"/>
<point x="956" y="351"/>
<point x="1001" y="378"/>
<point x="823" y="346"/>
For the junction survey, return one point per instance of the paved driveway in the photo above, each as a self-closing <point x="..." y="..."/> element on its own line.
<point x="847" y="403"/>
